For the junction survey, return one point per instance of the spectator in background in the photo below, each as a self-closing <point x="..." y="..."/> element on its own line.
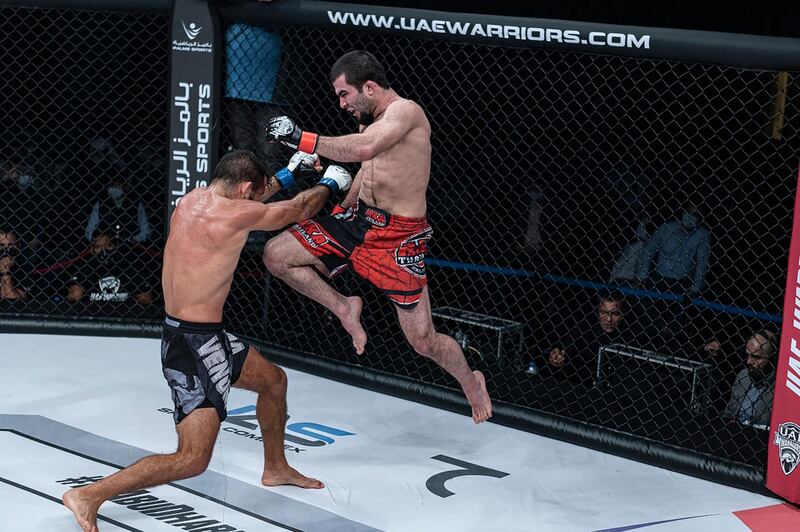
<point x="21" y="204"/>
<point x="754" y="388"/>
<point x="253" y="58"/>
<point x="680" y="249"/>
<point x="121" y="211"/>
<point x="106" y="158"/>
<point x="575" y="357"/>
<point x="8" y="254"/>
<point x="113" y="272"/>
<point x="628" y="266"/>
<point x="532" y="241"/>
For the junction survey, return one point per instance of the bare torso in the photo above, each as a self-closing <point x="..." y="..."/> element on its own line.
<point x="200" y="257"/>
<point x="396" y="180"/>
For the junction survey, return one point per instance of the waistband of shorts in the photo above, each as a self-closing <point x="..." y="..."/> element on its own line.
<point x="380" y="218"/>
<point x="191" y="326"/>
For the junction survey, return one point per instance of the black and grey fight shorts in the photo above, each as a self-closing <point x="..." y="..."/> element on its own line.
<point x="200" y="362"/>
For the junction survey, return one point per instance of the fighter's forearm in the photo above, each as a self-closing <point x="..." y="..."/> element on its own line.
<point x="272" y="188"/>
<point x="352" y="148"/>
<point x="309" y="202"/>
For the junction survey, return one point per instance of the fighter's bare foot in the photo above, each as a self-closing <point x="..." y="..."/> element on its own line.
<point x="479" y="400"/>
<point x="351" y="321"/>
<point x="84" y="510"/>
<point x="290" y="476"/>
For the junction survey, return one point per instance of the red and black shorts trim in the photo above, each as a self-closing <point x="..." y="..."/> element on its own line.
<point x="386" y="250"/>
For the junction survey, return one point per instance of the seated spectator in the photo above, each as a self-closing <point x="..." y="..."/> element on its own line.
<point x="575" y="358"/>
<point x="753" y="390"/>
<point x="111" y="272"/>
<point x="22" y="206"/>
<point x="121" y="211"/>
<point x="8" y="253"/>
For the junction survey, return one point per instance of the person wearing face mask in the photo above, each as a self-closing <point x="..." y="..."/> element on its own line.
<point x="118" y="209"/>
<point x="22" y="206"/>
<point x="681" y="250"/>
<point x="678" y="253"/>
<point x="111" y="272"/>
<point x="753" y="391"/>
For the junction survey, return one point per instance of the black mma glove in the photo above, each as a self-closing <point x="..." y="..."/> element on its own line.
<point x="284" y="130"/>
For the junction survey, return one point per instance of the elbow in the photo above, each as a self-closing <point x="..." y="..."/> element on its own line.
<point x="365" y="153"/>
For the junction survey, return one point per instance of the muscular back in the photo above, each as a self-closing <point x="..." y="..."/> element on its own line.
<point x="396" y="179"/>
<point x="207" y="234"/>
<point x="200" y="257"/>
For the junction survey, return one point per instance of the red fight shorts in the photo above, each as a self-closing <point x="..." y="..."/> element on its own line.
<point x="386" y="250"/>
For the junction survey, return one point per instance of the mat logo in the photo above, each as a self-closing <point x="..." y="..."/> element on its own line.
<point x="435" y="484"/>
<point x="787" y="438"/>
<point x="192" y="31"/>
<point x="317" y="435"/>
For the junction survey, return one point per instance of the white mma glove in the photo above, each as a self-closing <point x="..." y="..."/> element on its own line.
<point x="336" y="178"/>
<point x="301" y="163"/>
<point x="301" y="158"/>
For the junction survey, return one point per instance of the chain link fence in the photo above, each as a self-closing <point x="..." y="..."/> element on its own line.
<point x="83" y="161"/>
<point x="610" y="234"/>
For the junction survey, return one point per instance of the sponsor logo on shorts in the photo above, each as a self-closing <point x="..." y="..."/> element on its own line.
<point x="315" y="238"/>
<point x="346" y="214"/>
<point x="212" y="353"/>
<point x="410" y="255"/>
<point x="376" y="218"/>
<point x="787" y="438"/>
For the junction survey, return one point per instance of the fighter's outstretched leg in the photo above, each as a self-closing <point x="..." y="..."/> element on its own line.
<point x="289" y="261"/>
<point x="417" y="325"/>
<point x="196" y="436"/>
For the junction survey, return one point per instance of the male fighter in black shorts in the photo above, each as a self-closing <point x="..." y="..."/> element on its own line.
<point x="200" y="360"/>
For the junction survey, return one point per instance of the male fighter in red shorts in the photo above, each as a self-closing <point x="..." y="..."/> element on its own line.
<point x="380" y="229"/>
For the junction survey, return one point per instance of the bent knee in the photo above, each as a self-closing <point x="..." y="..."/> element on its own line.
<point x="273" y="382"/>
<point x="274" y="254"/>
<point x="192" y="464"/>
<point x="281" y="381"/>
<point x="424" y="344"/>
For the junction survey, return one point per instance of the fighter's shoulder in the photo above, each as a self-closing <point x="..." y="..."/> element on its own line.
<point x="405" y="107"/>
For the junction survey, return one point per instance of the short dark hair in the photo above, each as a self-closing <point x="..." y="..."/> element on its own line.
<point x="237" y="166"/>
<point x="359" y="67"/>
<point x="612" y="296"/>
<point x="6" y="230"/>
